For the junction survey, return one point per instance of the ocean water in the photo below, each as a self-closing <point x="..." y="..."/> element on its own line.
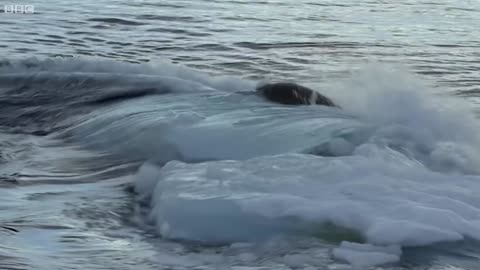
<point x="130" y="137"/>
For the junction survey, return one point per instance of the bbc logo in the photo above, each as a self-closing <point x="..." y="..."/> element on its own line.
<point x="19" y="9"/>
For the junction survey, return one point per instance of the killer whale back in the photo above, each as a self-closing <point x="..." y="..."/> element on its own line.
<point x="293" y="94"/>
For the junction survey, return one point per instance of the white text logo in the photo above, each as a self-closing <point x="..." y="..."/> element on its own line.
<point x="19" y="9"/>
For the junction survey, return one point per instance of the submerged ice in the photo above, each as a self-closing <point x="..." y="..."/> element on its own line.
<point x="406" y="177"/>
<point x="388" y="202"/>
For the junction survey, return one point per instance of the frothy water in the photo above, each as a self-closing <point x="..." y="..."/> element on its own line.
<point x="404" y="180"/>
<point x="108" y="164"/>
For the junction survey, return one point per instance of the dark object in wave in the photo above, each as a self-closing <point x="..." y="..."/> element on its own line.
<point x="9" y="228"/>
<point x="124" y="95"/>
<point x="293" y="94"/>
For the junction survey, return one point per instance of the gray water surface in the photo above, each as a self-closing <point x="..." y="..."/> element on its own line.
<point x="273" y="39"/>
<point x="72" y="207"/>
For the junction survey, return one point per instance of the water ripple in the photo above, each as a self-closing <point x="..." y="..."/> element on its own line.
<point x="115" y="21"/>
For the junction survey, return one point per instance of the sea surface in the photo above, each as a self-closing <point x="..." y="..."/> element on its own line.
<point x="131" y="137"/>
